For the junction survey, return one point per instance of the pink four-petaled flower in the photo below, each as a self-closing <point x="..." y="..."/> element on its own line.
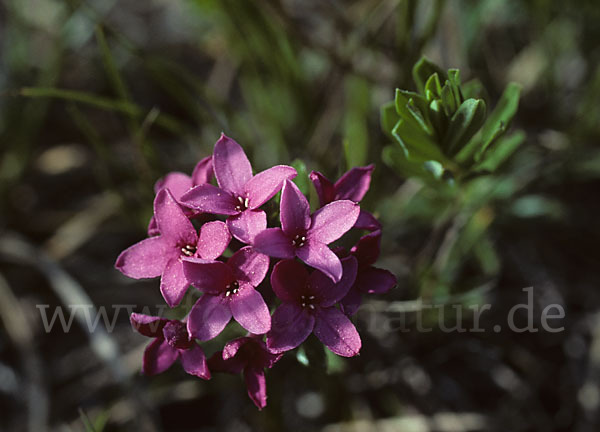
<point x="307" y="236"/>
<point x="240" y="194"/>
<point x="229" y="290"/>
<point x="162" y="255"/>
<point x="308" y="305"/>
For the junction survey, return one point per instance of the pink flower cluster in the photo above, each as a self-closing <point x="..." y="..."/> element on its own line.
<point x="317" y="301"/>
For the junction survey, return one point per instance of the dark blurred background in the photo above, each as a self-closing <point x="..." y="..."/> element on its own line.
<point x="99" y="99"/>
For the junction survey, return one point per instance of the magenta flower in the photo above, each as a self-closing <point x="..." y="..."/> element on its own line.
<point x="239" y="194"/>
<point x="369" y="279"/>
<point x="179" y="183"/>
<point x="162" y="255"/>
<point x="353" y="186"/>
<point x="250" y="356"/>
<point x="171" y="342"/>
<point x="307" y="236"/>
<point x="309" y="306"/>
<point x="229" y="290"/>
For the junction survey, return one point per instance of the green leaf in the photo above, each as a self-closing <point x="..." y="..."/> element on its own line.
<point x="105" y="158"/>
<point x="87" y="424"/>
<point x="335" y="363"/>
<point x="485" y="252"/>
<point x="451" y="260"/>
<point x="422" y="70"/>
<point x="448" y="100"/>
<point x="474" y="89"/>
<point x="418" y="145"/>
<point x="482" y="149"/>
<point x="439" y="172"/>
<point x="500" y="152"/>
<point x="356" y="136"/>
<point x="301" y="180"/>
<point x="83" y="97"/>
<point x="389" y="117"/>
<point x="355" y="152"/>
<point x="414" y="109"/>
<point x="312" y="354"/>
<point x="395" y="158"/>
<point x="455" y="86"/>
<point x="433" y="88"/>
<point x="464" y="124"/>
<point x="438" y="117"/>
<point x="110" y="67"/>
<point x="531" y="206"/>
<point x="401" y="101"/>
<point x="502" y="115"/>
<point x="301" y="357"/>
<point x="435" y="168"/>
<point x="454" y="77"/>
<point x="419" y="110"/>
<point x="101" y="102"/>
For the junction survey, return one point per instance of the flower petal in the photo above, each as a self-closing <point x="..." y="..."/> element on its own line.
<point x="203" y="171"/>
<point x="232" y="167"/>
<point x="350" y="304"/>
<point x="289" y="280"/>
<point x="354" y="184"/>
<point x="328" y="293"/>
<point x="247" y="224"/>
<point x="177" y="182"/>
<point x="291" y="325"/>
<point x="210" y="199"/>
<point x="325" y="189"/>
<point x="256" y="386"/>
<point x="213" y="239"/>
<point x="333" y="221"/>
<point x="254" y="354"/>
<point x="208" y="317"/>
<point x="367" y="221"/>
<point x="250" y="310"/>
<point x="294" y="210"/>
<point x="208" y="276"/>
<point x="249" y="265"/>
<point x="367" y="249"/>
<point x="148" y="325"/>
<point x="232" y="348"/>
<point x="176" y="334"/>
<point x="337" y="332"/>
<point x="173" y="283"/>
<point x="319" y="256"/>
<point x="274" y="242"/>
<point x="374" y="280"/>
<point x="158" y="357"/>
<point x="264" y="185"/>
<point x="153" y="227"/>
<point x="146" y="259"/>
<point x="233" y="365"/>
<point x="193" y="361"/>
<point x="173" y="224"/>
